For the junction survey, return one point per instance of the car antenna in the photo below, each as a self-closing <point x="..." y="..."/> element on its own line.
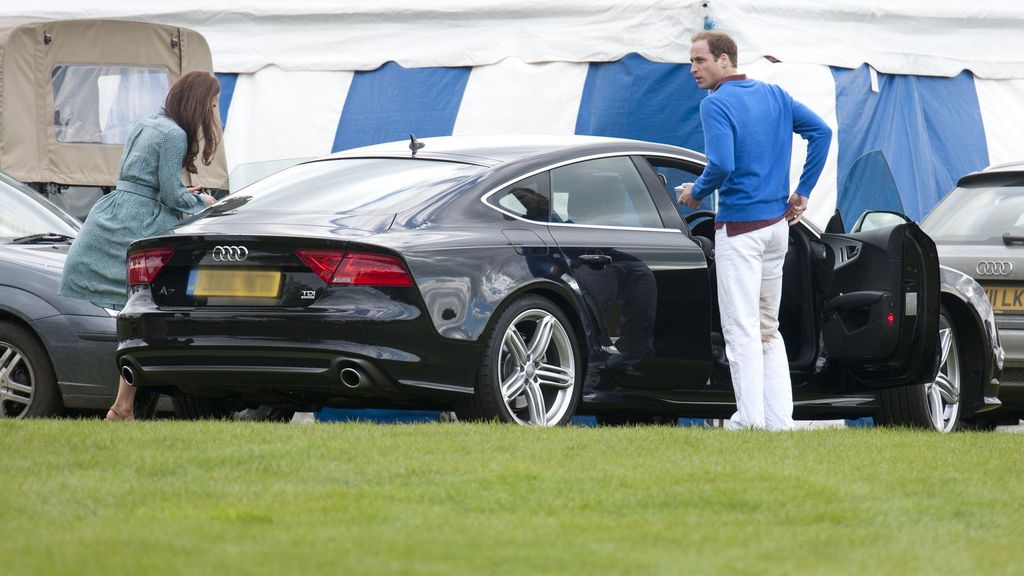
<point x="415" y="144"/>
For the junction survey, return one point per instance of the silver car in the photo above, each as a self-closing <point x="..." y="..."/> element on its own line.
<point x="55" y="352"/>
<point x="978" y="228"/>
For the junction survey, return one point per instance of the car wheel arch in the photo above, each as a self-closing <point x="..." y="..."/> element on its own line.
<point x="966" y="322"/>
<point x="558" y="296"/>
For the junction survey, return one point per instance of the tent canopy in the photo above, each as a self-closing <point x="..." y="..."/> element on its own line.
<point x="896" y="37"/>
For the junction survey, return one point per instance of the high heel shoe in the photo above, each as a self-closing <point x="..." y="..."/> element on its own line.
<point x="118" y="416"/>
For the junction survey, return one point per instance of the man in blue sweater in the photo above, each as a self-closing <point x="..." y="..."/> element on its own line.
<point x="748" y="127"/>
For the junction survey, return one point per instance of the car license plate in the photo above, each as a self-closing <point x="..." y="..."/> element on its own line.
<point x="1005" y="298"/>
<point x="239" y="283"/>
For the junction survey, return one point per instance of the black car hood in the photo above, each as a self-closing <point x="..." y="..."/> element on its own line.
<point x="288" y="223"/>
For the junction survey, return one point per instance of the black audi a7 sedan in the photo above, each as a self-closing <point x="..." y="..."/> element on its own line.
<point x="528" y="279"/>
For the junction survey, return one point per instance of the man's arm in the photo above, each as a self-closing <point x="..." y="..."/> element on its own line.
<point x="812" y="128"/>
<point x="719" y="147"/>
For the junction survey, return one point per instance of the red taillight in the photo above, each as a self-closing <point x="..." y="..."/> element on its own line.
<point x="323" y="262"/>
<point x="891" y="319"/>
<point x="366" y="269"/>
<point x="144" y="265"/>
<point x="341" y="268"/>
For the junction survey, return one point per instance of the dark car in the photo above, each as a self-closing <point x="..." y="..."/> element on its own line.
<point x="530" y="279"/>
<point x="55" y="352"/>
<point x="978" y="228"/>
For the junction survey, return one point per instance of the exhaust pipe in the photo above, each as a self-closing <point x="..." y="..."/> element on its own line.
<point x="128" y="374"/>
<point x="352" y="377"/>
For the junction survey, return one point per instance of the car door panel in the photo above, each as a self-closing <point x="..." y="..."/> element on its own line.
<point x="880" y="315"/>
<point x="645" y="285"/>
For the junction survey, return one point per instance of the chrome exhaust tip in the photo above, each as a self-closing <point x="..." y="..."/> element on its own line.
<point x="128" y="375"/>
<point x="352" y="377"/>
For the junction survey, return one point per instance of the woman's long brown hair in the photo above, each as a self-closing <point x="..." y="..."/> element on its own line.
<point x="188" y="104"/>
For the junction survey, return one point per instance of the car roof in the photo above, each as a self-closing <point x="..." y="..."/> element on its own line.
<point x="993" y="172"/>
<point x="490" y="150"/>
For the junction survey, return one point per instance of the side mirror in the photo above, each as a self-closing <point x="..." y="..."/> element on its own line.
<point x="873" y="219"/>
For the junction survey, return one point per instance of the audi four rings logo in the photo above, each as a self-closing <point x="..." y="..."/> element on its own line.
<point x="992" y="268"/>
<point x="230" y="253"/>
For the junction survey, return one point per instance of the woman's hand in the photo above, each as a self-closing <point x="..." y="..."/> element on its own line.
<point x="207" y="199"/>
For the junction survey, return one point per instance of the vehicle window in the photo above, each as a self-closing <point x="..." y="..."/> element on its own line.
<point x="99" y="104"/>
<point x="26" y="212"/>
<point x="351" y="185"/>
<point x="978" y="213"/>
<point x="604" y="192"/>
<point x="527" y="198"/>
<point x="672" y="173"/>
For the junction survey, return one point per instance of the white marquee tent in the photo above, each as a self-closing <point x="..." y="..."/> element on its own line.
<point x="937" y="86"/>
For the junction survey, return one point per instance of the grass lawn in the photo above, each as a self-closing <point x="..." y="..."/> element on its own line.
<point x="167" y="497"/>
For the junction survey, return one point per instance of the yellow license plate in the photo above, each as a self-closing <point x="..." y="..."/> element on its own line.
<point x="1005" y="298"/>
<point x="239" y="283"/>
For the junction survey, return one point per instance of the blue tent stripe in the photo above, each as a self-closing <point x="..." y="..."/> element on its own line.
<point x="227" y="91"/>
<point x="391" y="102"/>
<point x="636" y="98"/>
<point x="929" y="129"/>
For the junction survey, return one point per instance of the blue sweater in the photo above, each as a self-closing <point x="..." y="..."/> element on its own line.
<point x="748" y="127"/>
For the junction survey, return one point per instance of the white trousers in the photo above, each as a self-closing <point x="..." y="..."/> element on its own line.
<point x="749" y="292"/>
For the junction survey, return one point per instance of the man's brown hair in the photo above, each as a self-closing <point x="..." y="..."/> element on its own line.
<point x="188" y="104"/>
<point x="719" y="43"/>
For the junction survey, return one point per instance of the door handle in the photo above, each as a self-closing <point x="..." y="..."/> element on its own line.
<point x="596" y="260"/>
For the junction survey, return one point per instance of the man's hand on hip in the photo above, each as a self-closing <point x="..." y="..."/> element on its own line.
<point x="795" y="209"/>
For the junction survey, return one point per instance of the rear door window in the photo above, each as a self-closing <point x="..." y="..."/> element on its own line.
<point x="603" y="192"/>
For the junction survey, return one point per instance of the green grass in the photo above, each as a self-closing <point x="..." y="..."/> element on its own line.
<point x="87" y="497"/>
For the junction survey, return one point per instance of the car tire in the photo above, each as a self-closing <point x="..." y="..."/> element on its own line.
<point x="28" y="383"/>
<point x="531" y="370"/>
<point x="188" y="407"/>
<point x="935" y="405"/>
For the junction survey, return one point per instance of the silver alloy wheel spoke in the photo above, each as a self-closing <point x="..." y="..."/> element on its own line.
<point x="517" y="347"/>
<point x="542" y="338"/>
<point x="513" y="386"/>
<point x="943" y="395"/>
<point x="550" y="375"/>
<point x="946" y="390"/>
<point x="946" y="338"/>
<point x="535" y="398"/>
<point x="937" y="411"/>
<point x="8" y="397"/>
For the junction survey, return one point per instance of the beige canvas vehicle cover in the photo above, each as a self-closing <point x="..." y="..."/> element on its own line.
<point x="66" y="95"/>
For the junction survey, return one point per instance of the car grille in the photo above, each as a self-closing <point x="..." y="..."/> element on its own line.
<point x="1013" y="376"/>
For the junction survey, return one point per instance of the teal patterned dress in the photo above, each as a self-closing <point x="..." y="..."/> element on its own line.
<point x="149" y="200"/>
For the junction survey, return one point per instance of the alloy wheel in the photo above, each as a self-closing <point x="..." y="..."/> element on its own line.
<point x="536" y="369"/>
<point x="943" y="395"/>
<point x="16" y="382"/>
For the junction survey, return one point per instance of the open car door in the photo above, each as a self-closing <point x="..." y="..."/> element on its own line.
<point x="880" y="317"/>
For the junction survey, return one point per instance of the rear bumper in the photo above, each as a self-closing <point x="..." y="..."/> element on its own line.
<point x="315" y="357"/>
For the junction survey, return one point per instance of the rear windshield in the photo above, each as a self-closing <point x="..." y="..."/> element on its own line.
<point x="978" y="214"/>
<point x="351" y="186"/>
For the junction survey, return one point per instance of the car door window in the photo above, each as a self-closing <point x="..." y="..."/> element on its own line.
<point x="603" y="192"/>
<point x="527" y="198"/>
<point x="672" y="173"/>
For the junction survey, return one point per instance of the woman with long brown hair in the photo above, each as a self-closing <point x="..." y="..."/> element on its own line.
<point x="149" y="199"/>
